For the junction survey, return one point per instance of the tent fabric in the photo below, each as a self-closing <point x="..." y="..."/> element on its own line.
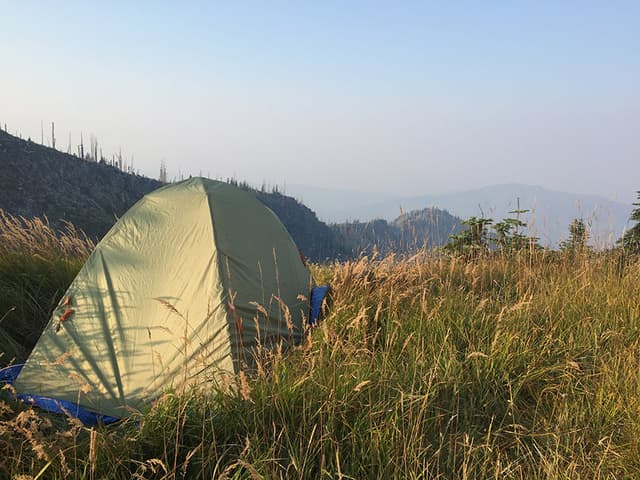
<point x="182" y="289"/>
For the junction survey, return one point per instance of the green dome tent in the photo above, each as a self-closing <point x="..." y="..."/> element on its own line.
<point x="185" y="286"/>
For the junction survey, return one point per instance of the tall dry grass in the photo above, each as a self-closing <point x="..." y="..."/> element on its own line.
<point x="37" y="263"/>
<point x="35" y="237"/>
<point x="520" y="367"/>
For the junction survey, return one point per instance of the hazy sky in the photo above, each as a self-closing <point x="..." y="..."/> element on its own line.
<point x="401" y="97"/>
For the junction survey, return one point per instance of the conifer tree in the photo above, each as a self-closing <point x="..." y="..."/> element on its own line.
<point x="578" y="237"/>
<point x="630" y="241"/>
<point x="474" y="240"/>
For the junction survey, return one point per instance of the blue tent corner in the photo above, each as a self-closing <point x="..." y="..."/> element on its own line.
<point x="318" y="296"/>
<point x="9" y="374"/>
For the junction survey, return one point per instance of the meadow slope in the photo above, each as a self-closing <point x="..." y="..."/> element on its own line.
<point x="427" y="367"/>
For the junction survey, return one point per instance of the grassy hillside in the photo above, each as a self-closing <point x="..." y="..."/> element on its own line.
<point x="425" y="367"/>
<point x="36" y="181"/>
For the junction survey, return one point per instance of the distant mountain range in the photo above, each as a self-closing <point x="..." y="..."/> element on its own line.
<point x="36" y="180"/>
<point x="550" y="211"/>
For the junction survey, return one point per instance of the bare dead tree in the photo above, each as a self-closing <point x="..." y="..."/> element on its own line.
<point x="163" y="172"/>
<point x="94" y="148"/>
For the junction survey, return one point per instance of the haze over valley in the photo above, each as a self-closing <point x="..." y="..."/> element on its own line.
<point x="550" y="212"/>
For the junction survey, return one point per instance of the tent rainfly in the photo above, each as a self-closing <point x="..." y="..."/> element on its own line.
<point x="185" y="286"/>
